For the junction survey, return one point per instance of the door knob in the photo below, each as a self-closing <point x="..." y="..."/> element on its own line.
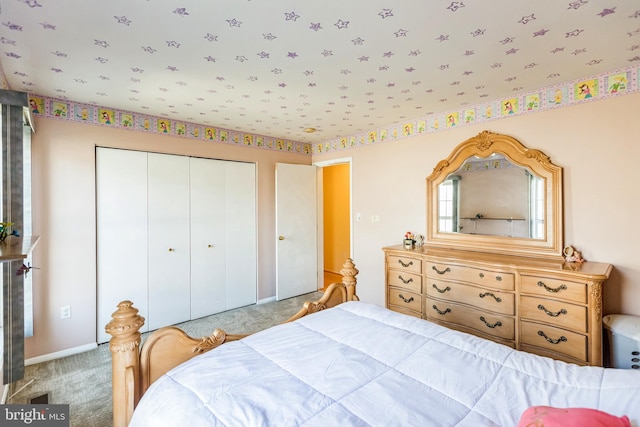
<point x="209" y="246"/>
<point x="171" y="250"/>
<point x="281" y="238"/>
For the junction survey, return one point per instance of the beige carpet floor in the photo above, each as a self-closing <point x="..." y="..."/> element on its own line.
<point x="84" y="380"/>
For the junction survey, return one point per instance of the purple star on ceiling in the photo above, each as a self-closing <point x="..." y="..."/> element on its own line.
<point x="606" y="12"/>
<point x="32" y="3"/>
<point x="7" y="41"/>
<point x="443" y="38"/>
<point x="210" y="58"/>
<point x="173" y="43"/>
<point x="358" y="41"/>
<point x="315" y="27"/>
<point x="102" y="60"/>
<point x="401" y="33"/>
<point x="512" y="51"/>
<point x="149" y="49"/>
<point x="573" y="33"/>
<point x="577" y="4"/>
<point x="478" y="32"/>
<point x="291" y="16"/>
<point x="540" y="33"/>
<point x="211" y="37"/>
<point x="341" y="24"/>
<point x="527" y="19"/>
<point x="11" y="26"/>
<point x="263" y="55"/>
<point x="47" y="26"/>
<point x="454" y="6"/>
<point x="269" y="36"/>
<point x="122" y="20"/>
<point x="386" y="13"/>
<point x="293" y="55"/>
<point x="181" y="11"/>
<point x="234" y="22"/>
<point x="101" y="43"/>
<point x="172" y="68"/>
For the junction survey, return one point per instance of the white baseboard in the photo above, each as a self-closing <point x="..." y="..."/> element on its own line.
<point x="266" y="300"/>
<point x="60" y="354"/>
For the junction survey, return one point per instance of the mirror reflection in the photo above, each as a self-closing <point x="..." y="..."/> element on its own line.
<point x="492" y="196"/>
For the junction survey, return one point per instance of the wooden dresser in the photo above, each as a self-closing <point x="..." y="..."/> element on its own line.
<point x="547" y="307"/>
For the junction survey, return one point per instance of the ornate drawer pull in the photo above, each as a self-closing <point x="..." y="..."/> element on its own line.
<point x="406" y="282"/>
<point x="442" y="291"/>
<point x="489" y="294"/>
<point x="404" y="299"/>
<point x="551" y="340"/>
<point x="442" y="313"/>
<point x="498" y="323"/>
<point x="551" y="313"/>
<point x="499" y="278"/>
<point x="558" y="289"/>
<point x="481" y="275"/>
<point x="446" y="270"/>
<point x="405" y="265"/>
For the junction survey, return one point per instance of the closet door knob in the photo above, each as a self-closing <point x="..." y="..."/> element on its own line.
<point x="209" y="246"/>
<point x="171" y="250"/>
<point x="280" y="237"/>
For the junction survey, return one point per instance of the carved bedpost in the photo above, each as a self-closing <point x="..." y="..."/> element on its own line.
<point x="125" y="361"/>
<point x="349" y="272"/>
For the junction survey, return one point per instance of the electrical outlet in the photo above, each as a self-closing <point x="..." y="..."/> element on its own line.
<point x="65" y="312"/>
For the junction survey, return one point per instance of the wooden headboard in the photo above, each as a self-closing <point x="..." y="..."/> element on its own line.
<point x="136" y="367"/>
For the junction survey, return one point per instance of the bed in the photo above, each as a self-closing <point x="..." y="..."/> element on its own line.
<point x="352" y="363"/>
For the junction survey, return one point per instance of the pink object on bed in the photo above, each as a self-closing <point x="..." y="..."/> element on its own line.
<point x="547" y="416"/>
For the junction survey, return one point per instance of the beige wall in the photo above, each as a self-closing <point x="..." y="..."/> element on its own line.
<point x="597" y="145"/>
<point x="64" y="215"/>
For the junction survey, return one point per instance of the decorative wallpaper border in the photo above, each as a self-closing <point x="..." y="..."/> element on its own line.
<point x="109" y="117"/>
<point x="605" y="85"/>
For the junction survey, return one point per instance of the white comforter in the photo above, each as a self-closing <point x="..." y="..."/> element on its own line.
<point x="358" y="364"/>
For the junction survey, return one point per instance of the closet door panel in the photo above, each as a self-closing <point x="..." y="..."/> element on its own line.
<point x="121" y="228"/>
<point x="208" y="246"/>
<point x="241" y="234"/>
<point x="169" y="240"/>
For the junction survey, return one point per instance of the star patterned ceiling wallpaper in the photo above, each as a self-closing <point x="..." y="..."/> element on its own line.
<point x="273" y="68"/>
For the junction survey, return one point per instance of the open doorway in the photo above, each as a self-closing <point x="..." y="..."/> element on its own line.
<point x="336" y="228"/>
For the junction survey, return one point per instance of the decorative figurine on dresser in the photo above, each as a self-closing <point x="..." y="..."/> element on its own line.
<point x="504" y="275"/>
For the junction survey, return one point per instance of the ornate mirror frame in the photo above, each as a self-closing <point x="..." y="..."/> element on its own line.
<point x="482" y="146"/>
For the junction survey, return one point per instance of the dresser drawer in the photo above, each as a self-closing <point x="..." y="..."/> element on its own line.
<point x="497" y="325"/>
<point x="477" y="276"/>
<point x="413" y="265"/>
<point x="554" y="339"/>
<point x="555" y="288"/>
<point x="492" y="300"/>
<point x="406" y="299"/>
<point x="558" y="313"/>
<point x="404" y="279"/>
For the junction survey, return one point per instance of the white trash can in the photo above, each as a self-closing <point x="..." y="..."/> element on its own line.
<point x="623" y="332"/>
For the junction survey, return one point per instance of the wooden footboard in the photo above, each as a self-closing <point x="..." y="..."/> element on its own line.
<point x="134" y="368"/>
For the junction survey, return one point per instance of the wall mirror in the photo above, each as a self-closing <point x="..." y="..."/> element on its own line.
<point x="492" y="194"/>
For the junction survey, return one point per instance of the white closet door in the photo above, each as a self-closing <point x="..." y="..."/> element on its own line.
<point x="121" y="199"/>
<point x="241" y="230"/>
<point x="208" y="246"/>
<point x="169" y="237"/>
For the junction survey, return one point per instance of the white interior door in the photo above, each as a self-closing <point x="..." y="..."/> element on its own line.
<point x="241" y="234"/>
<point x="296" y="230"/>
<point x="169" y="240"/>
<point x="208" y="241"/>
<point x="121" y="231"/>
